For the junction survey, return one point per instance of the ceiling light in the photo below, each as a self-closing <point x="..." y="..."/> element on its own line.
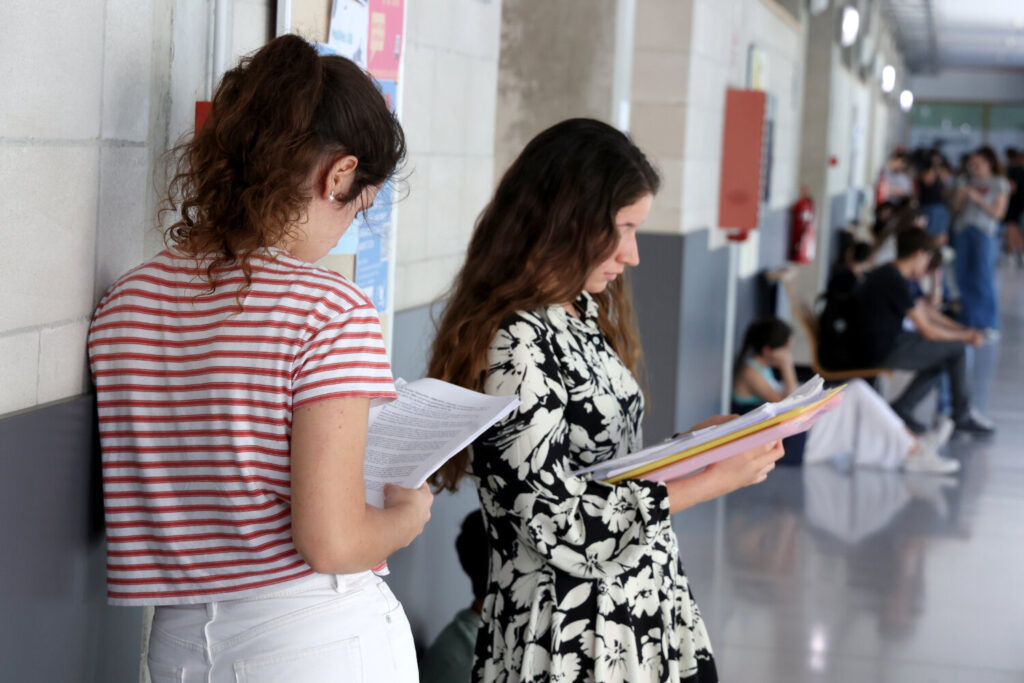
<point x="888" y="78"/>
<point x="906" y="100"/>
<point x="850" y="26"/>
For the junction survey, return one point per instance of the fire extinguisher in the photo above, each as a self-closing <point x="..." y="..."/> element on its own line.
<point x="801" y="242"/>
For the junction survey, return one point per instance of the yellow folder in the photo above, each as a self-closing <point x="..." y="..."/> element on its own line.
<point x="722" y="440"/>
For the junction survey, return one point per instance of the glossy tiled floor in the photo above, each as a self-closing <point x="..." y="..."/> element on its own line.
<point x="821" y="574"/>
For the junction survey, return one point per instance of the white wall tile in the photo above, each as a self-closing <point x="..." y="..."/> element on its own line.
<point x="123" y="220"/>
<point x="63" y="361"/>
<point x="430" y="23"/>
<point x="127" y="70"/>
<point x="253" y="21"/>
<point x="444" y="213"/>
<point x="51" y="59"/>
<point x="479" y="119"/>
<point x="671" y="172"/>
<point x="188" y="67"/>
<point x="478" y="186"/>
<point x="449" y="97"/>
<point x="413" y="212"/>
<point x="660" y="76"/>
<point x="659" y="128"/>
<point x="418" y="96"/>
<point x="19" y="359"/>
<point x="475" y="28"/>
<point x="664" y="24"/>
<point x="50" y="222"/>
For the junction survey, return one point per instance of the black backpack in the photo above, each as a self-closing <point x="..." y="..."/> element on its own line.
<point x="840" y="332"/>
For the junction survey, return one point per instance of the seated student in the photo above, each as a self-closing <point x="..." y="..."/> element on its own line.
<point x="932" y="350"/>
<point x="450" y="658"/>
<point x="863" y="426"/>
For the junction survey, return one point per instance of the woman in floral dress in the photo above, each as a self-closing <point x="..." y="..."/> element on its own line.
<point x="585" y="580"/>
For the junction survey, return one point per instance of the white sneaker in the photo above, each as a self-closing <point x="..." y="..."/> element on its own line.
<point x="935" y="439"/>
<point x="927" y="460"/>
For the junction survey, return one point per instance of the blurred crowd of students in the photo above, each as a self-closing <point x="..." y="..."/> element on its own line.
<point x="910" y="291"/>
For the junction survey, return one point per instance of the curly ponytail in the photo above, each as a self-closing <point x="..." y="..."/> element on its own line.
<point x="282" y="116"/>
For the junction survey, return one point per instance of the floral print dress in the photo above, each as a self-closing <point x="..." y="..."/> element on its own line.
<point x="585" y="582"/>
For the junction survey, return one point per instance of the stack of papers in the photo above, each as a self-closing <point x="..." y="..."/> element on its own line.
<point x="689" y="452"/>
<point x="410" y="437"/>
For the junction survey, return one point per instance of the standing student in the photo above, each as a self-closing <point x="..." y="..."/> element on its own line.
<point x="980" y="204"/>
<point x="233" y="381"/>
<point x="932" y="184"/>
<point x="585" y="580"/>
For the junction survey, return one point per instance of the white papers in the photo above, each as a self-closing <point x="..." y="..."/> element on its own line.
<point x="429" y="422"/>
<point x="350" y="29"/>
<point x="806" y="394"/>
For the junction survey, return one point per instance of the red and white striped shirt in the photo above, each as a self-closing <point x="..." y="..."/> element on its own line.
<point x="195" y="404"/>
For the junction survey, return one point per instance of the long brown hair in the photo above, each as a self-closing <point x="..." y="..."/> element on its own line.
<point x="242" y="182"/>
<point x="551" y="221"/>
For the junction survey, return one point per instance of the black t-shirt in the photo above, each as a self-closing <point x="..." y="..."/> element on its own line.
<point x="932" y="193"/>
<point x="885" y="300"/>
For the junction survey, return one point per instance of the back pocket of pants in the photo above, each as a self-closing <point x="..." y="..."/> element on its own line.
<point x="328" y="663"/>
<point x="165" y="673"/>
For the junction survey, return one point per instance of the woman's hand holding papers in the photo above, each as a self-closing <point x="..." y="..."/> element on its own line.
<point x="725" y="476"/>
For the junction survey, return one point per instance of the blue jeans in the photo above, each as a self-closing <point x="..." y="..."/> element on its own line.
<point x="976" y="254"/>
<point x="938" y="218"/>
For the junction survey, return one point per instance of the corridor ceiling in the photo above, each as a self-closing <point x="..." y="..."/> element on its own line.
<point x="935" y="34"/>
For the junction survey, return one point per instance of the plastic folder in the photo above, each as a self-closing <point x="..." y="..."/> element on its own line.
<point x="786" y="424"/>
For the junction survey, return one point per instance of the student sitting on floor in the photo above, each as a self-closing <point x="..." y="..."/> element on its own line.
<point x="450" y="658"/>
<point x="886" y="298"/>
<point x="863" y="426"/>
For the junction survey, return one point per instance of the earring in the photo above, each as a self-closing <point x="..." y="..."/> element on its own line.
<point x="331" y="198"/>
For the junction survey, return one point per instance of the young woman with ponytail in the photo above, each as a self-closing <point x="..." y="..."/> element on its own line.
<point x="585" y="580"/>
<point x="233" y="381"/>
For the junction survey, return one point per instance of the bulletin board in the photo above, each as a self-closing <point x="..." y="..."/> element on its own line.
<point x="372" y="34"/>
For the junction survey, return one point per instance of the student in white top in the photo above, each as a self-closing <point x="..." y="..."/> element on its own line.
<point x="234" y="379"/>
<point x="863" y="426"/>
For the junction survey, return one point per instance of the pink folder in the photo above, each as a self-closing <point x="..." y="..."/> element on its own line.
<point x="801" y="423"/>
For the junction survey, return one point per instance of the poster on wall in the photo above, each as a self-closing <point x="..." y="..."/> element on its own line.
<point x="373" y="254"/>
<point x="385" y="38"/>
<point x="348" y="33"/>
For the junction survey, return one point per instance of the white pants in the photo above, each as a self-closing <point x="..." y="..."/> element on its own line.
<point x="863" y="425"/>
<point x="334" y="628"/>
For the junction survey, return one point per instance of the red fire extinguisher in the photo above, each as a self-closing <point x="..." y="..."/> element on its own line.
<point x="801" y="242"/>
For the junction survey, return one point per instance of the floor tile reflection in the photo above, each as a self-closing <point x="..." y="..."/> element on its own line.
<point x="825" y="574"/>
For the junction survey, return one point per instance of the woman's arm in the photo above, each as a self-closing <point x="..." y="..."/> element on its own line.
<point x="995" y="209"/>
<point x="725" y="476"/>
<point x="751" y="380"/>
<point x="333" y="528"/>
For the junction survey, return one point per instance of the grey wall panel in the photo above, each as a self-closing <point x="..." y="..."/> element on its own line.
<point x="426" y="576"/>
<point x="57" y="625"/>
<point x="701" y="330"/>
<point x="657" y="295"/>
<point x="411" y="338"/>
<point x="755" y="297"/>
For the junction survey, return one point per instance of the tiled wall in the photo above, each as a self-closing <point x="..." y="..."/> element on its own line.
<point x="73" y="129"/>
<point x="92" y="95"/>
<point x="687" y="54"/>
<point x="448" y="110"/>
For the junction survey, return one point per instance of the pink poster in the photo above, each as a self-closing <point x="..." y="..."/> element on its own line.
<point x="386" y="37"/>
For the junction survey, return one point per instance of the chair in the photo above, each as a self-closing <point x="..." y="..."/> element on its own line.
<point x="809" y="321"/>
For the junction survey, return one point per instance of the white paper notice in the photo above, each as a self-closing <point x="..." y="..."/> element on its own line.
<point x="350" y="29"/>
<point x="429" y="422"/>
